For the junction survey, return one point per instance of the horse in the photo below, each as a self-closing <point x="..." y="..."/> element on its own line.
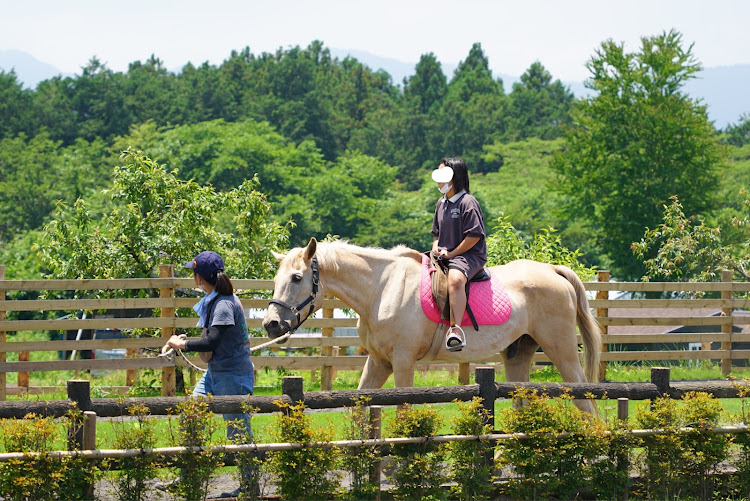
<point x="383" y="287"/>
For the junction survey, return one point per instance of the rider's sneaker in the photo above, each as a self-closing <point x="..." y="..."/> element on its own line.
<point x="232" y="494"/>
<point x="167" y="486"/>
<point x="455" y="339"/>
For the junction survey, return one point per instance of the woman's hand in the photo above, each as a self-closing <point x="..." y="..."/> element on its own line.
<point x="177" y="342"/>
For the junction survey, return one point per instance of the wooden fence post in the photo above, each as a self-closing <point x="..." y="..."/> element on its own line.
<point x="23" y="377"/>
<point x="326" y="372"/>
<point x="726" y="311"/>
<point x="131" y="375"/>
<point x="464" y="373"/>
<point x="660" y="377"/>
<point x="79" y="391"/>
<point x="89" y="442"/>
<point x="623" y="461"/>
<point x="3" y="339"/>
<point x="292" y="387"/>
<point x="485" y="378"/>
<point x="622" y="408"/>
<point x="603" y="276"/>
<point x="167" y="373"/>
<point x="376" y="427"/>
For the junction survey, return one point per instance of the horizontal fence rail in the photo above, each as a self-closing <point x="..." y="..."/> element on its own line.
<point x="634" y="329"/>
<point x="79" y="396"/>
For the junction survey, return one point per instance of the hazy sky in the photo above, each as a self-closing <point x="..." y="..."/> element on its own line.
<point x="563" y="35"/>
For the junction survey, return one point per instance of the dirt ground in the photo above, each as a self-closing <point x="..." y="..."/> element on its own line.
<point x="227" y="482"/>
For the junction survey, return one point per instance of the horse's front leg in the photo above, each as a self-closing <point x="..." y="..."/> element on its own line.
<point x="403" y="369"/>
<point x="375" y="373"/>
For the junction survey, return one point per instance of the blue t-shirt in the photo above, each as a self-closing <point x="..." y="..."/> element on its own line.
<point x="232" y="354"/>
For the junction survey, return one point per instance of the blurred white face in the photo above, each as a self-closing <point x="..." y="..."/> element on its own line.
<point x="444" y="187"/>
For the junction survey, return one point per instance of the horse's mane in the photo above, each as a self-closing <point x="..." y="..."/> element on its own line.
<point x="327" y="251"/>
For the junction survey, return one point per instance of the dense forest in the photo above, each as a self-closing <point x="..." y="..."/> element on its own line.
<point x="267" y="150"/>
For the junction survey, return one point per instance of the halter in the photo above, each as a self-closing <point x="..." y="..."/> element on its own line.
<point x="310" y="299"/>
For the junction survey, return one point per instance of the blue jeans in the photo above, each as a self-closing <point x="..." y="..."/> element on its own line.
<point x="228" y="383"/>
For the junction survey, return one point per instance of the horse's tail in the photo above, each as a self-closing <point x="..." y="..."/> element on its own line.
<point x="590" y="329"/>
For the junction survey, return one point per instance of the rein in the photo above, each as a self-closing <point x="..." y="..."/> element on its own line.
<point x="310" y="299"/>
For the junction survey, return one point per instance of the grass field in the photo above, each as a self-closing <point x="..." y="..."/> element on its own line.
<point x="269" y="383"/>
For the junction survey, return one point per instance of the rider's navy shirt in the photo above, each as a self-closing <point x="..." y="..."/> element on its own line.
<point x="457" y="218"/>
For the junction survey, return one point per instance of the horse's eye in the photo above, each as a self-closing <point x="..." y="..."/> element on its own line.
<point x="297" y="277"/>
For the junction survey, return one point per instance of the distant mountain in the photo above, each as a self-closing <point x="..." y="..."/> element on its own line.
<point x="29" y="70"/>
<point x="723" y="89"/>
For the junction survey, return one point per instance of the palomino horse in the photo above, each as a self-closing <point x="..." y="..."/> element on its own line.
<point x="382" y="286"/>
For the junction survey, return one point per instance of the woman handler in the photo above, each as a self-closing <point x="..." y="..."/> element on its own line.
<point x="458" y="238"/>
<point x="224" y="344"/>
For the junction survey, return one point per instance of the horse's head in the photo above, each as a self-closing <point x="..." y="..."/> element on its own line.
<point x="295" y="291"/>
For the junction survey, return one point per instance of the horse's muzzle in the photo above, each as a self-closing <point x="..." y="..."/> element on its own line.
<point x="275" y="328"/>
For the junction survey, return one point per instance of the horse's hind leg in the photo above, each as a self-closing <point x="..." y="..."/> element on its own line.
<point x="518" y="367"/>
<point x="375" y="374"/>
<point x="564" y="354"/>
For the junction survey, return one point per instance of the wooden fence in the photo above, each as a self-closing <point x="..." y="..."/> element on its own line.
<point x="687" y="319"/>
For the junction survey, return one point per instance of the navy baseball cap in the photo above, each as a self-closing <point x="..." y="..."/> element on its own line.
<point x="206" y="264"/>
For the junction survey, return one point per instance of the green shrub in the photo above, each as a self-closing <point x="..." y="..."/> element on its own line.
<point x="417" y="470"/>
<point x="193" y="427"/>
<point x="41" y="476"/>
<point x="305" y="473"/>
<point x="359" y="462"/>
<point x="610" y="473"/>
<point x="562" y="445"/>
<point x="251" y="469"/>
<point x="741" y="459"/>
<point x="134" y="472"/>
<point x="677" y="464"/>
<point x="471" y="462"/>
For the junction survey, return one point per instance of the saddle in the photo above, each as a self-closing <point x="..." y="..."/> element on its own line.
<point x="440" y="289"/>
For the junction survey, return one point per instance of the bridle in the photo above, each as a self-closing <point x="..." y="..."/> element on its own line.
<point x="310" y="299"/>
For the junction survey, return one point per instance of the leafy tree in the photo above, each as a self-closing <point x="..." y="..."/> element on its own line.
<point x="689" y="250"/>
<point x="505" y="245"/>
<point x="636" y="143"/>
<point x="53" y="110"/>
<point x="538" y="106"/>
<point x="158" y="219"/>
<point x="472" y="112"/>
<point x="98" y="101"/>
<point x="37" y="172"/>
<point x="427" y="87"/>
<point x="399" y="218"/>
<point x="520" y="187"/>
<point x="340" y="200"/>
<point x="226" y="154"/>
<point x="29" y="184"/>
<point x="739" y="134"/>
<point x="149" y="92"/>
<point x="423" y="96"/>
<point x="15" y="103"/>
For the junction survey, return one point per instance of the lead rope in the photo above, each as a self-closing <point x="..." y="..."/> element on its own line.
<point x="168" y="352"/>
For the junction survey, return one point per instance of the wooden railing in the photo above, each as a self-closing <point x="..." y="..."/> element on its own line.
<point x="690" y="314"/>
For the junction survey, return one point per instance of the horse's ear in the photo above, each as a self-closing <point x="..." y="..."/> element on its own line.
<point x="279" y="257"/>
<point x="310" y="250"/>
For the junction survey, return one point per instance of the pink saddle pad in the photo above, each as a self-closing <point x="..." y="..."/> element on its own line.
<point x="489" y="300"/>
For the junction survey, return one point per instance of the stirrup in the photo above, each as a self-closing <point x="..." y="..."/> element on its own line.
<point x="455" y="339"/>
